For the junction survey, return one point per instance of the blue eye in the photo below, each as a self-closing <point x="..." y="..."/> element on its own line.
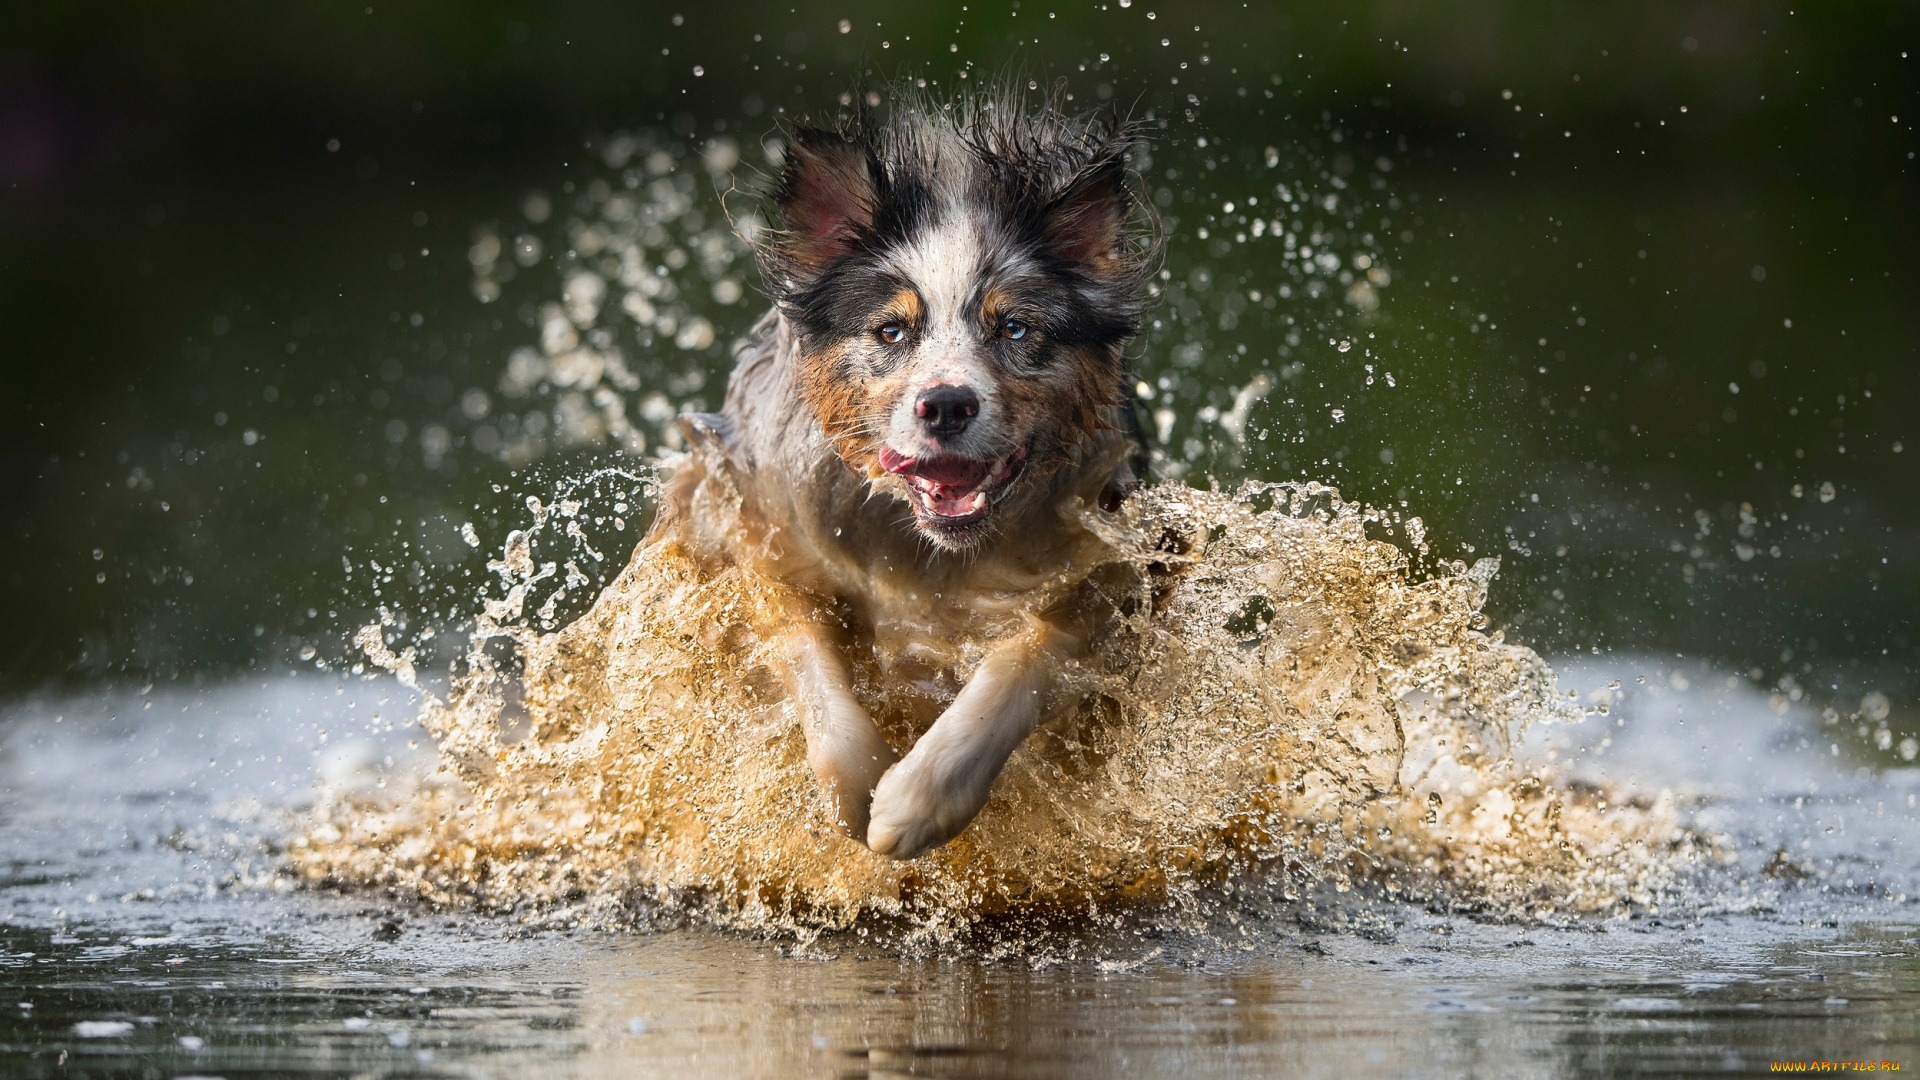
<point x="892" y="333"/>
<point x="1013" y="329"/>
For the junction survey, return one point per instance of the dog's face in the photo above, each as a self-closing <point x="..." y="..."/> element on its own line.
<point x="961" y="305"/>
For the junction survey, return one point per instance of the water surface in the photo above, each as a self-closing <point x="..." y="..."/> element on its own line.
<point x="149" y="928"/>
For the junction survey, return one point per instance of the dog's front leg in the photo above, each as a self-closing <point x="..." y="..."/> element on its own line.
<point x="847" y="753"/>
<point x="935" y="791"/>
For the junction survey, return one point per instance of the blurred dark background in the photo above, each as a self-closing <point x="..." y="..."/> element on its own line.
<point x="1649" y="311"/>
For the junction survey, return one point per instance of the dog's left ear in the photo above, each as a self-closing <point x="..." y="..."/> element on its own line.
<point x="1087" y="222"/>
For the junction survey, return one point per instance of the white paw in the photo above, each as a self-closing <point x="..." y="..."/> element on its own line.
<point x="916" y="808"/>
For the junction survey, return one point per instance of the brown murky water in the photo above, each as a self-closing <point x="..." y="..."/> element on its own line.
<point x="1285" y="701"/>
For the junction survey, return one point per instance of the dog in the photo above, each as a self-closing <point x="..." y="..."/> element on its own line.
<point x="940" y="383"/>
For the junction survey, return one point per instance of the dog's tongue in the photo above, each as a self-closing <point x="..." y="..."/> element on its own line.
<point x="949" y="476"/>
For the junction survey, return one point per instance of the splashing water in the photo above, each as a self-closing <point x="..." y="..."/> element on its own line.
<point x="648" y="268"/>
<point x="1284" y="701"/>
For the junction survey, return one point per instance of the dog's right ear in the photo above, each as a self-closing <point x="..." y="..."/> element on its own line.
<point x="827" y="198"/>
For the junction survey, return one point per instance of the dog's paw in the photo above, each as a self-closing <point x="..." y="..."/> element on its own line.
<point x="916" y="809"/>
<point x="903" y="834"/>
<point x="846" y="785"/>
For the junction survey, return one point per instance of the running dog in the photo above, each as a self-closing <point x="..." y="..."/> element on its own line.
<point x="940" y="383"/>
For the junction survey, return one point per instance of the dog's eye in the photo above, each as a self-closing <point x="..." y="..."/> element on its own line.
<point x="1013" y="329"/>
<point x="892" y="333"/>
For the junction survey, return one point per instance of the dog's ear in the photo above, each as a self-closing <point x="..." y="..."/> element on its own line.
<point x="1087" y="222"/>
<point x="827" y="198"/>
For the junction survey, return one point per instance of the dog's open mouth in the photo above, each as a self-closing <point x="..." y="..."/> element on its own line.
<point x="953" y="490"/>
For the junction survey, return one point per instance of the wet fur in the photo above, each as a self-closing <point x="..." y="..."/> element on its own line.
<point x="944" y="222"/>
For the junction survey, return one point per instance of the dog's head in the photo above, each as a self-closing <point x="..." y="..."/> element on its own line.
<point x="962" y="281"/>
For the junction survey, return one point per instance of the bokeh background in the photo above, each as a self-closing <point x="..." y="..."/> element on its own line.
<point x="1641" y="276"/>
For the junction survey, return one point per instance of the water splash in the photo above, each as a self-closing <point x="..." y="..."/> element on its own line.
<point x="1284" y="700"/>
<point x="649" y="266"/>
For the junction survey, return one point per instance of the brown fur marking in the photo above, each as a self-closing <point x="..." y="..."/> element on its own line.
<point x="905" y="307"/>
<point x="994" y="305"/>
<point x="852" y="411"/>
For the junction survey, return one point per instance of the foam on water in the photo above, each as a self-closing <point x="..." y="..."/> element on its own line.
<point x="1284" y="701"/>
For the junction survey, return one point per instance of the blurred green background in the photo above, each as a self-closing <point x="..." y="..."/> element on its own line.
<point x="1642" y="279"/>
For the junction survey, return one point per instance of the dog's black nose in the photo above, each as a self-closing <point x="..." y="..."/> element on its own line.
<point x="945" y="411"/>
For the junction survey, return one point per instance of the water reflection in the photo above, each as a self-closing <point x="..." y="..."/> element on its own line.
<point x="457" y="997"/>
